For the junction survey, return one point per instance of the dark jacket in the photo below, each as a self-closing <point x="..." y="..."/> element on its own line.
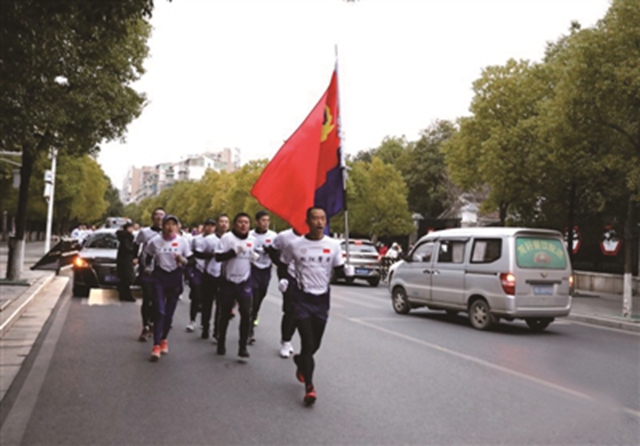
<point x="127" y="251"/>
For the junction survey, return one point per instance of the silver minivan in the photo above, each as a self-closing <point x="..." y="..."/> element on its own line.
<point x="490" y="273"/>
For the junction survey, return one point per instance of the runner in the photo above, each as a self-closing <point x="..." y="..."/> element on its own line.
<point x="286" y="272"/>
<point x="143" y="237"/>
<point x="314" y="257"/>
<point x="235" y="250"/>
<point x="170" y="254"/>
<point x="261" y="268"/>
<point x="195" y="273"/>
<point x="212" y="278"/>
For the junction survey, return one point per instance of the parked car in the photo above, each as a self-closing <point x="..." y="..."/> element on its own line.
<point x="95" y="264"/>
<point x="364" y="257"/>
<point x="490" y="273"/>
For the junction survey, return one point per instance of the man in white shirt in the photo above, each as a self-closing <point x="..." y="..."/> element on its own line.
<point x="261" y="268"/>
<point x="315" y="257"/>
<point x="287" y="323"/>
<point x="170" y="254"/>
<point x="143" y="237"/>
<point x="235" y="251"/>
<point x="195" y="273"/>
<point x="212" y="277"/>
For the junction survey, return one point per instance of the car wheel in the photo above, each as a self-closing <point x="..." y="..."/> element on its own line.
<point x="480" y="315"/>
<point x="452" y="313"/>
<point x="399" y="300"/>
<point x="80" y="291"/>
<point x="374" y="282"/>
<point x="538" y="324"/>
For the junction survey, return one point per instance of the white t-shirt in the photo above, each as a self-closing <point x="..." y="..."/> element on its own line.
<point x="283" y="239"/>
<point x="213" y="267"/>
<point x="262" y="240"/>
<point x="237" y="269"/>
<point x="164" y="252"/>
<point x="198" y="244"/>
<point x="144" y="235"/>
<point x="314" y="261"/>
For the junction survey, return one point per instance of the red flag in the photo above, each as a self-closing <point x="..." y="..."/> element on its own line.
<point x="307" y="169"/>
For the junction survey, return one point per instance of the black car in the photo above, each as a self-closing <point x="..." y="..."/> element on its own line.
<point x="95" y="264"/>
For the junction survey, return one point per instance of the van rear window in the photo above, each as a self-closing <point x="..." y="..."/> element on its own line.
<point x="540" y="252"/>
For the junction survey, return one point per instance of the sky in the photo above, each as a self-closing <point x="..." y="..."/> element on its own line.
<point x="245" y="74"/>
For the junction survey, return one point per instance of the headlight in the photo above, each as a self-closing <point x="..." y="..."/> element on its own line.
<point x="79" y="262"/>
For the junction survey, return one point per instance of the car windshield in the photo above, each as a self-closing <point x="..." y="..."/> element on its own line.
<point x="360" y="247"/>
<point x="104" y="240"/>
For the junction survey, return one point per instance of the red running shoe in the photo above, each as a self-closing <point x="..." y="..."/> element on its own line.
<point x="310" y="397"/>
<point x="299" y="376"/>
<point x="164" y="347"/>
<point x="155" y="353"/>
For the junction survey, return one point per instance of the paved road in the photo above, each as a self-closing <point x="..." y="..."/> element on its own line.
<point x="382" y="378"/>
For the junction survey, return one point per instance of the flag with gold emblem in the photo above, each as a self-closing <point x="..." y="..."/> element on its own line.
<point x="307" y="170"/>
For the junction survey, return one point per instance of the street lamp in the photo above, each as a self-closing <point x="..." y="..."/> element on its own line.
<point x="49" y="192"/>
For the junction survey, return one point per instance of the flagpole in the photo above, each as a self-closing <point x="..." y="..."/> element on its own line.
<point x="342" y="164"/>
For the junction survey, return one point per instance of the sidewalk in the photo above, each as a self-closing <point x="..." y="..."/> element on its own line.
<point x="604" y="309"/>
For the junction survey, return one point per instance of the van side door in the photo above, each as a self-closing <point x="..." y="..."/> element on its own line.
<point x="417" y="272"/>
<point x="448" y="273"/>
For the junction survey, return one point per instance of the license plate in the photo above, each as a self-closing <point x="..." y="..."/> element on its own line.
<point x="362" y="271"/>
<point x="110" y="278"/>
<point x="543" y="290"/>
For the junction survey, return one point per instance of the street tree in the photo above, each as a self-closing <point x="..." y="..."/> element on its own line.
<point x="376" y="200"/>
<point x="66" y="74"/>
<point x="600" y="93"/>
<point x="498" y="146"/>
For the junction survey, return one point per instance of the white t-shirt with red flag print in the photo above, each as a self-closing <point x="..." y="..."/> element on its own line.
<point x="313" y="261"/>
<point x="237" y="269"/>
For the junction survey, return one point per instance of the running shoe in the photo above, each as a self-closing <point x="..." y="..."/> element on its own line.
<point x="155" y="353"/>
<point x="286" y="349"/>
<point x="191" y="327"/>
<point x="310" y="397"/>
<point x="164" y="347"/>
<point x="145" y="334"/>
<point x="299" y="376"/>
<point x="243" y="352"/>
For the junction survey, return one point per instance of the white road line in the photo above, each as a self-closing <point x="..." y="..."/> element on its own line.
<point x="601" y="327"/>
<point x="635" y="413"/>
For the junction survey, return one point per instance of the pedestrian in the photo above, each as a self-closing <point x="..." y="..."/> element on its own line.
<point x="170" y="254"/>
<point x="195" y="272"/>
<point x="260" y="268"/>
<point x="212" y="278"/>
<point x="145" y="235"/>
<point x="126" y="261"/>
<point x="287" y="272"/>
<point x="235" y="250"/>
<point x="315" y="257"/>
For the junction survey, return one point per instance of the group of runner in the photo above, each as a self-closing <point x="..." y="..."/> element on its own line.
<point x="229" y="264"/>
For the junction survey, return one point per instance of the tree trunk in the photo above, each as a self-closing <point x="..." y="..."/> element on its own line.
<point x="629" y="226"/>
<point x="16" y="244"/>
<point x="503" y="212"/>
<point x="571" y="219"/>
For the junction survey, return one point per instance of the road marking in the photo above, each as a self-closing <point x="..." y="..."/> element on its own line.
<point x="602" y="327"/>
<point x="575" y="393"/>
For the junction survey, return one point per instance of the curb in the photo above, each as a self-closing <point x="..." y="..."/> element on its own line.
<point x="620" y="324"/>
<point x="25" y="302"/>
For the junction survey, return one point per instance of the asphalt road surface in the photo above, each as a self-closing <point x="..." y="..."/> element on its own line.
<point x="381" y="378"/>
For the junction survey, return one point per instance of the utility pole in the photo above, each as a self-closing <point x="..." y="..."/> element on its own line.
<point x="49" y="192"/>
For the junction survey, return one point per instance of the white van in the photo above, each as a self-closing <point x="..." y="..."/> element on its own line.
<point x="490" y="273"/>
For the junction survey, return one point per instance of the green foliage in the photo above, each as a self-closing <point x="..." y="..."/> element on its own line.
<point x="377" y="201"/>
